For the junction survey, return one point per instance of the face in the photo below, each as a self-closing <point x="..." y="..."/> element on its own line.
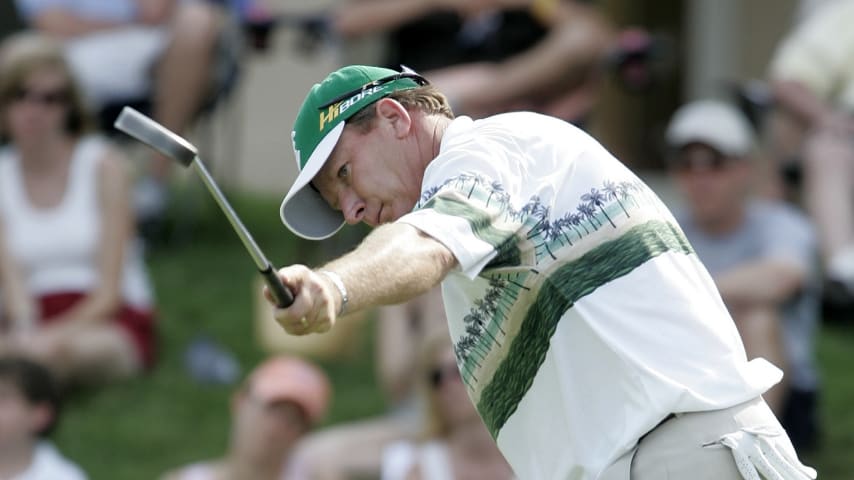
<point x="373" y="176"/>
<point x="714" y="186"/>
<point x="452" y="401"/>
<point x="263" y="428"/>
<point x="38" y="108"/>
<point x="19" y="420"/>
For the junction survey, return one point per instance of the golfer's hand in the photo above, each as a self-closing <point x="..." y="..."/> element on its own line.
<point x="315" y="301"/>
<point x="756" y="456"/>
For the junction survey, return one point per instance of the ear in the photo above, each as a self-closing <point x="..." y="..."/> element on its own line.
<point x="41" y="417"/>
<point x="396" y="115"/>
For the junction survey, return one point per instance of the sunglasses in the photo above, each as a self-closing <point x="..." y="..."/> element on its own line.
<point x="700" y="161"/>
<point x="376" y="83"/>
<point x="439" y="375"/>
<point x="48" y="98"/>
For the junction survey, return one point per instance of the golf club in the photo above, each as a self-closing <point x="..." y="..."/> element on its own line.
<point x="163" y="140"/>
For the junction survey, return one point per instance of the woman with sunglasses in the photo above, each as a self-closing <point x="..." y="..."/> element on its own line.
<point x="75" y="292"/>
<point x="454" y="443"/>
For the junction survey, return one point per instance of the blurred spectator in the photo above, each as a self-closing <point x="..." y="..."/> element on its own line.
<point x="454" y="442"/>
<point x="279" y="403"/>
<point x="813" y="85"/>
<point x="75" y="290"/>
<point x="126" y="50"/>
<point x="29" y="411"/>
<point x="490" y="56"/>
<point x="354" y="450"/>
<point x="762" y="254"/>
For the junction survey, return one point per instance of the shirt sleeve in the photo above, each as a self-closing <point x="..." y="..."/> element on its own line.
<point x="466" y="204"/>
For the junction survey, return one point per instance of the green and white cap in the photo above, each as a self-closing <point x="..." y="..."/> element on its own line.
<point x="318" y="127"/>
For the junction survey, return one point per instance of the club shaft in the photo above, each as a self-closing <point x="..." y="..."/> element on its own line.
<point x="254" y="251"/>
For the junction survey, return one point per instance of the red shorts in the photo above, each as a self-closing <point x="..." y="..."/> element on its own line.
<point x="139" y="324"/>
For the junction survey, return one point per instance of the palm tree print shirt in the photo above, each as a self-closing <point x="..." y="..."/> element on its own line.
<point x="580" y="315"/>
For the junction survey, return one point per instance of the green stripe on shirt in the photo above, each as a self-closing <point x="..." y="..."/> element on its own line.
<point x="559" y="291"/>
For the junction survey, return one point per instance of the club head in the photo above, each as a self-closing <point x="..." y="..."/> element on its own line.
<point x="156" y="136"/>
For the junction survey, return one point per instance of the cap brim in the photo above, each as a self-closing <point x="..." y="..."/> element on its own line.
<point x="304" y="211"/>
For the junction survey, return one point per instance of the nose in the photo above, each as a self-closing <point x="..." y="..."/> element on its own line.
<point x="352" y="207"/>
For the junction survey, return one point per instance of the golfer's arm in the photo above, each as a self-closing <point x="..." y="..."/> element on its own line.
<point x="396" y="262"/>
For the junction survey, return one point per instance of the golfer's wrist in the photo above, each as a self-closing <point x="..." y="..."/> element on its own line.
<point x="335" y="279"/>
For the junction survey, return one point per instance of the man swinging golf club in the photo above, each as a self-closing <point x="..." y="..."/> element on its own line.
<point x="592" y="340"/>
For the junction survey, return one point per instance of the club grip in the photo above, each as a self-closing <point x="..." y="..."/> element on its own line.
<point x="282" y="294"/>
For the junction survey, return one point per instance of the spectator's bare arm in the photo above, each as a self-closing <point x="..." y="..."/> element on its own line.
<point x="62" y="23"/>
<point x="574" y="48"/>
<point x="19" y="307"/>
<point x="155" y="12"/>
<point x="764" y="282"/>
<point x="361" y="17"/>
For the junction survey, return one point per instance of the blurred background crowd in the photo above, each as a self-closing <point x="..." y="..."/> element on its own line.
<point x="128" y="308"/>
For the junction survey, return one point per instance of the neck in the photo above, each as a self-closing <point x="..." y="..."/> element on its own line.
<point x="46" y="154"/>
<point x="15" y="459"/>
<point x="435" y="126"/>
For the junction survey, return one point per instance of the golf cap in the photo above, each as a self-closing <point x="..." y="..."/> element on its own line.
<point x="716" y="124"/>
<point x="318" y="127"/>
<point x="289" y="378"/>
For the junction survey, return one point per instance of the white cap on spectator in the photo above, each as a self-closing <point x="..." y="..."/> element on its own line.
<point x="713" y="123"/>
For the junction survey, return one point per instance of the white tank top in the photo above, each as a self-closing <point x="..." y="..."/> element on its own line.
<point x="57" y="248"/>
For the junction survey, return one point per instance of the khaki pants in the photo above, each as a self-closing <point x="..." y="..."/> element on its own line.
<point x="674" y="450"/>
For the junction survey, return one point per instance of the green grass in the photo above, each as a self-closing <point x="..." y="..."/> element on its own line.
<point x="139" y="428"/>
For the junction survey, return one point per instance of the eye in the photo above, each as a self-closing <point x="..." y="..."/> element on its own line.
<point x="344" y="171"/>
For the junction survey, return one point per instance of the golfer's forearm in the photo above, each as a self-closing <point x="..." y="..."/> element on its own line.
<point x="394" y="263"/>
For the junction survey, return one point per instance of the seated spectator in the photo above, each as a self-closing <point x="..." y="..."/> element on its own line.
<point x="75" y="290"/>
<point x="761" y="253"/>
<point x="127" y="50"/>
<point x="29" y="412"/>
<point x="281" y="400"/>
<point x="454" y="443"/>
<point x="497" y="55"/>
<point x="354" y="450"/>
<point x="813" y="127"/>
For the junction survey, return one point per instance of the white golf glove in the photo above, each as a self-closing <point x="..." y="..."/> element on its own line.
<point x="757" y="456"/>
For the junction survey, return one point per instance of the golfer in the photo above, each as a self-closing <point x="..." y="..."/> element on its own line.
<point x="590" y="337"/>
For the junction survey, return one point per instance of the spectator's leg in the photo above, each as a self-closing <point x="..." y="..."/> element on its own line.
<point x="828" y="183"/>
<point x="760" y="331"/>
<point x="183" y="76"/>
<point x="93" y="353"/>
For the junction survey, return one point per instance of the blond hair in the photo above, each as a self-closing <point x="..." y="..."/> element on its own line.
<point x="428" y="99"/>
<point x="25" y="53"/>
